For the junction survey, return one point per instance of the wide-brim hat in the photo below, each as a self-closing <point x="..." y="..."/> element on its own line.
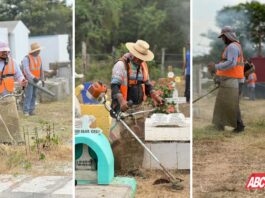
<point x="4" y="47"/>
<point x="140" y="50"/>
<point x="79" y="75"/>
<point x="35" y="47"/>
<point x="229" y="33"/>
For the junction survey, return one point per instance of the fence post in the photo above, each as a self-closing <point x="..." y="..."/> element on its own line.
<point x="84" y="57"/>
<point x="163" y="60"/>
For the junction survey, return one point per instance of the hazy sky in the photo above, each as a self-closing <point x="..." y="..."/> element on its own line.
<point x="204" y="13"/>
<point x="69" y="2"/>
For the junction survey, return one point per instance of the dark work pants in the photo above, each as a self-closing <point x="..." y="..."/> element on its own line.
<point x="239" y="120"/>
<point x="187" y="88"/>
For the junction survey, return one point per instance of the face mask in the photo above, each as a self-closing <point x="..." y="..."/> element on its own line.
<point x="6" y="60"/>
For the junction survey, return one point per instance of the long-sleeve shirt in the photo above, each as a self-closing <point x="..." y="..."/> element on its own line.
<point x="18" y="74"/>
<point x="252" y="80"/>
<point x="26" y="67"/>
<point x="119" y="73"/>
<point x="231" y="54"/>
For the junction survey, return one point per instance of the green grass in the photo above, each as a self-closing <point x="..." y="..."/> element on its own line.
<point x="254" y="128"/>
<point x="210" y="133"/>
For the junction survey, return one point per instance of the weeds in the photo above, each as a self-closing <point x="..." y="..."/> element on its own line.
<point x="17" y="159"/>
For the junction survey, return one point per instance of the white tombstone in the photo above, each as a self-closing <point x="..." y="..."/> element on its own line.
<point x="18" y="38"/>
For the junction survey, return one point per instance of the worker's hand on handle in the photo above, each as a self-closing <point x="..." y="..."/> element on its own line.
<point x="35" y="80"/>
<point x="158" y="101"/>
<point x="211" y="67"/>
<point x="123" y="103"/>
<point x="24" y="83"/>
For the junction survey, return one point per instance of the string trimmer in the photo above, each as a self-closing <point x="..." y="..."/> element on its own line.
<point x="173" y="180"/>
<point x="205" y="94"/>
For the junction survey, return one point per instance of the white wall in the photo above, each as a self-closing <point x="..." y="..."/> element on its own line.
<point x="63" y="53"/>
<point x="18" y="41"/>
<point x="4" y="35"/>
<point x="55" y="48"/>
<point x="12" y="45"/>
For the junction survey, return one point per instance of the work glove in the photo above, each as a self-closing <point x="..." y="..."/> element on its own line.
<point x="35" y="80"/>
<point x="24" y="83"/>
<point x="157" y="100"/>
<point x="42" y="83"/>
<point x="123" y="103"/>
<point x="211" y="67"/>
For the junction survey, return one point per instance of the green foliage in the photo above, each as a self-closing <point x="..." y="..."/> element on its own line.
<point x="107" y="23"/>
<point x="40" y="16"/>
<point x="95" y="20"/>
<point x="47" y="142"/>
<point x="27" y="165"/>
<point x="248" y="21"/>
<point x="100" y="71"/>
<point x="42" y="156"/>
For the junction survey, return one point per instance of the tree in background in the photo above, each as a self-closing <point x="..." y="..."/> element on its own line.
<point x="107" y="23"/>
<point x="40" y="16"/>
<point x="94" y="22"/>
<point x="248" y="21"/>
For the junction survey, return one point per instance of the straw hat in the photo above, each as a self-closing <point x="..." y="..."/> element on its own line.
<point x="4" y="47"/>
<point x="140" y="50"/>
<point x="35" y="47"/>
<point x="229" y="33"/>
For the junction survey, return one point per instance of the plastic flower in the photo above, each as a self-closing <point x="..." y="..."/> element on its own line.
<point x="153" y="82"/>
<point x="171" y="109"/>
<point x="170" y="87"/>
<point x="159" y="92"/>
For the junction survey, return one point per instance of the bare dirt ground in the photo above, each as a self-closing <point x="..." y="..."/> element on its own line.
<point x="223" y="161"/>
<point x="146" y="189"/>
<point x="55" y="158"/>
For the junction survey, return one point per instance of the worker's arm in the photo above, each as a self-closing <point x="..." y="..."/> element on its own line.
<point x="42" y="75"/>
<point x="118" y="74"/>
<point x="41" y="72"/>
<point x="19" y="76"/>
<point x="26" y="68"/>
<point x="148" y="88"/>
<point x="232" y="53"/>
<point x="115" y="90"/>
<point x="250" y="77"/>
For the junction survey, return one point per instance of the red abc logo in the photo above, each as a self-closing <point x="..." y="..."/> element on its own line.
<point x="256" y="181"/>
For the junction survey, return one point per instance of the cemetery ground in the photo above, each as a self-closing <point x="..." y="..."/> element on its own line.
<point x="48" y="147"/>
<point x="223" y="161"/>
<point x="145" y="187"/>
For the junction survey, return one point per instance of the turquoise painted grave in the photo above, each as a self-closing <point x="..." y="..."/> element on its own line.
<point x="94" y="159"/>
<point x="99" y="150"/>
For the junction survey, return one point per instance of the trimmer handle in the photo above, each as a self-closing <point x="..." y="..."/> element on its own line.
<point x="130" y="103"/>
